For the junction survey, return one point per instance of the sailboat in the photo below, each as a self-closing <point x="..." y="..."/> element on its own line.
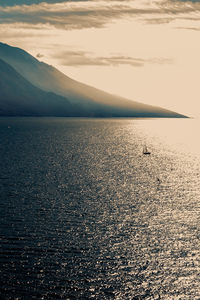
<point x="145" y="151"/>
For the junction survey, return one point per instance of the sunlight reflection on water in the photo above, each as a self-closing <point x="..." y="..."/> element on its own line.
<point x="180" y="135"/>
<point x="83" y="215"/>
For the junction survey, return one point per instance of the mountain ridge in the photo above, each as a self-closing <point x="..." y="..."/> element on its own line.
<point x="18" y="97"/>
<point x="88" y="100"/>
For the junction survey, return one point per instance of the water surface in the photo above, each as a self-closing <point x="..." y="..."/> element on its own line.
<point x="85" y="215"/>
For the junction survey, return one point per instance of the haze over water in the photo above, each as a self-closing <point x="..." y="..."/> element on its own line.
<point x="85" y="215"/>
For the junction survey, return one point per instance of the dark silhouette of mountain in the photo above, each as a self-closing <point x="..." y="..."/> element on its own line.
<point x="84" y="100"/>
<point x="18" y="97"/>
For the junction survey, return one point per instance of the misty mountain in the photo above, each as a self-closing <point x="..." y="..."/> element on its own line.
<point x="84" y="100"/>
<point x="18" y="97"/>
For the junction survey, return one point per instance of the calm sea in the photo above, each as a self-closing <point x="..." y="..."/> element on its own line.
<point x="85" y="215"/>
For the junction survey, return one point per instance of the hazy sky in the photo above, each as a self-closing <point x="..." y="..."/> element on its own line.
<point x="145" y="50"/>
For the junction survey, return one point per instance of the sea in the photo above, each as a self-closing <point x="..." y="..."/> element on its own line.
<point x="84" y="214"/>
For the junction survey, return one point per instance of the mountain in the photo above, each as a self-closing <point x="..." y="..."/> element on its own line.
<point x="18" y="97"/>
<point x="84" y="100"/>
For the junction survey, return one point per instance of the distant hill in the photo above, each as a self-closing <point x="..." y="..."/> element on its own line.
<point x="82" y="100"/>
<point x="18" y="97"/>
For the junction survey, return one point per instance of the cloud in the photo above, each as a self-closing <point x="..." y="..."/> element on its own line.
<point x="39" y="55"/>
<point x="69" y="15"/>
<point x="30" y="2"/>
<point x="81" y="58"/>
<point x="178" y="7"/>
<point x="171" y="10"/>
<point x="194" y="1"/>
<point x="97" y="13"/>
<point x="189" y="28"/>
<point x="163" y="20"/>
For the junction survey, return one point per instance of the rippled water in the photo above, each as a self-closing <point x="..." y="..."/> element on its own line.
<point x="84" y="216"/>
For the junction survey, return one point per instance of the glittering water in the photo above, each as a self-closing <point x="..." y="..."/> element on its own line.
<point x="85" y="215"/>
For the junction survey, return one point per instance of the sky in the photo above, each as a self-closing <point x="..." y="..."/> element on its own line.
<point x="144" y="50"/>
